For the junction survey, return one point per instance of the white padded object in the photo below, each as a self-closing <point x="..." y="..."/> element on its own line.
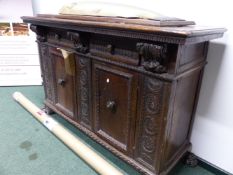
<point x="107" y="9"/>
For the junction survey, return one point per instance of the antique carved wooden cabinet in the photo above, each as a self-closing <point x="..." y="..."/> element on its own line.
<point x="128" y="84"/>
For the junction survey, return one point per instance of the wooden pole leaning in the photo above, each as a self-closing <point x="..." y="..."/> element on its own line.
<point x="87" y="154"/>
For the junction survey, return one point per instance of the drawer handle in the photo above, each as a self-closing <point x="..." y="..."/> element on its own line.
<point x="57" y="36"/>
<point x="111" y="105"/>
<point x="61" y="81"/>
<point x="110" y="48"/>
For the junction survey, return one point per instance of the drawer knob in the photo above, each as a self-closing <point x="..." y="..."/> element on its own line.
<point x="111" y="105"/>
<point x="61" y="81"/>
<point x="109" y="47"/>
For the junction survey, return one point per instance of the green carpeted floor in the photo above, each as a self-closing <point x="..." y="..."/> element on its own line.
<point x="28" y="148"/>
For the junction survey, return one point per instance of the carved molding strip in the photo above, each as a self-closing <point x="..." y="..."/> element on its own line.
<point x="149" y="126"/>
<point x="128" y="34"/>
<point x="153" y="56"/>
<point x="84" y="90"/>
<point x="47" y="73"/>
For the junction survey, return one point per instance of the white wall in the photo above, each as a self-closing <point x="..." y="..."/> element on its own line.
<point x="212" y="134"/>
<point x="9" y="12"/>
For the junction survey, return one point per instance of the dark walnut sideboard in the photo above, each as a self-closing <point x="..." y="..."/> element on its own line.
<point x="128" y="84"/>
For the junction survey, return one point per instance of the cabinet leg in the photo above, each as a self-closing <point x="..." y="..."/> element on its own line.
<point x="48" y="110"/>
<point x="191" y="160"/>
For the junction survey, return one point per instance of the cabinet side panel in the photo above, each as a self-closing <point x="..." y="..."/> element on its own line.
<point x="183" y="109"/>
<point x="192" y="55"/>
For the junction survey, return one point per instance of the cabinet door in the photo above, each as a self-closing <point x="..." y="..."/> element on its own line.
<point x="115" y="95"/>
<point x="64" y="84"/>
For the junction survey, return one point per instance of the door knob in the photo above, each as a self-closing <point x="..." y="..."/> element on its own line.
<point x="111" y="105"/>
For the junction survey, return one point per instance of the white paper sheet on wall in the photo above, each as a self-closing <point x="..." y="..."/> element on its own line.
<point x="19" y="60"/>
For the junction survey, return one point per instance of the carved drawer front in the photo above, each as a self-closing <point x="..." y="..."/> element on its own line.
<point x="64" y="83"/>
<point x="114" y="49"/>
<point x="115" y="95"/>
<point x="70" y="39"/>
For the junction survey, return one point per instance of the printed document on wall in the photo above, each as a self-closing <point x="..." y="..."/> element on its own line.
<point x="19" y="59"/>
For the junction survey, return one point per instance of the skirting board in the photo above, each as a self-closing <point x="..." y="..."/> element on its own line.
<point x="210" y="167"/>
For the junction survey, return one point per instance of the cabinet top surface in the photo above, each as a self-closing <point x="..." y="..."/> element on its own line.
<point x="160" y="27"/>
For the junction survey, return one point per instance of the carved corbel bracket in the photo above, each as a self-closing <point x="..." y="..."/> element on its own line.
<point x="153" y="56"/>
<point x="78" y="46"/>
<point x="40" y="34"/>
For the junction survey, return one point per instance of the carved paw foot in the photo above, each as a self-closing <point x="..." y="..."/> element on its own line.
<point x="191" y="160"/>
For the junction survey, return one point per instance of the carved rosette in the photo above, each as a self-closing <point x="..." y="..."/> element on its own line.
<point x="84" y="66"/>
<point x="153" y="56"/>
<point x="47" y="73"/>
<point x="149" y="127"/>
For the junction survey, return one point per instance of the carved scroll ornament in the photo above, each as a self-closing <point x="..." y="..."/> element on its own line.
<point x="78" y="45"/>
<point x="40" y="34"/>
<point x="153" y="56"/>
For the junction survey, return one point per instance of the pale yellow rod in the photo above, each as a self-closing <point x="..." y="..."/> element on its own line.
<point x="87" y="154"/>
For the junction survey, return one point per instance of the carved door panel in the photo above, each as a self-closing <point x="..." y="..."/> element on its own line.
<point x="115" y="95"/>
<point x="63" y="82"/>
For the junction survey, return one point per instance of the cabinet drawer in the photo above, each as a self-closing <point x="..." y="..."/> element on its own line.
<point x="68" y="39"/>
<point x="115" y="95"/>
<point x="59" y="37"/>
<point x="115" y="49"/>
